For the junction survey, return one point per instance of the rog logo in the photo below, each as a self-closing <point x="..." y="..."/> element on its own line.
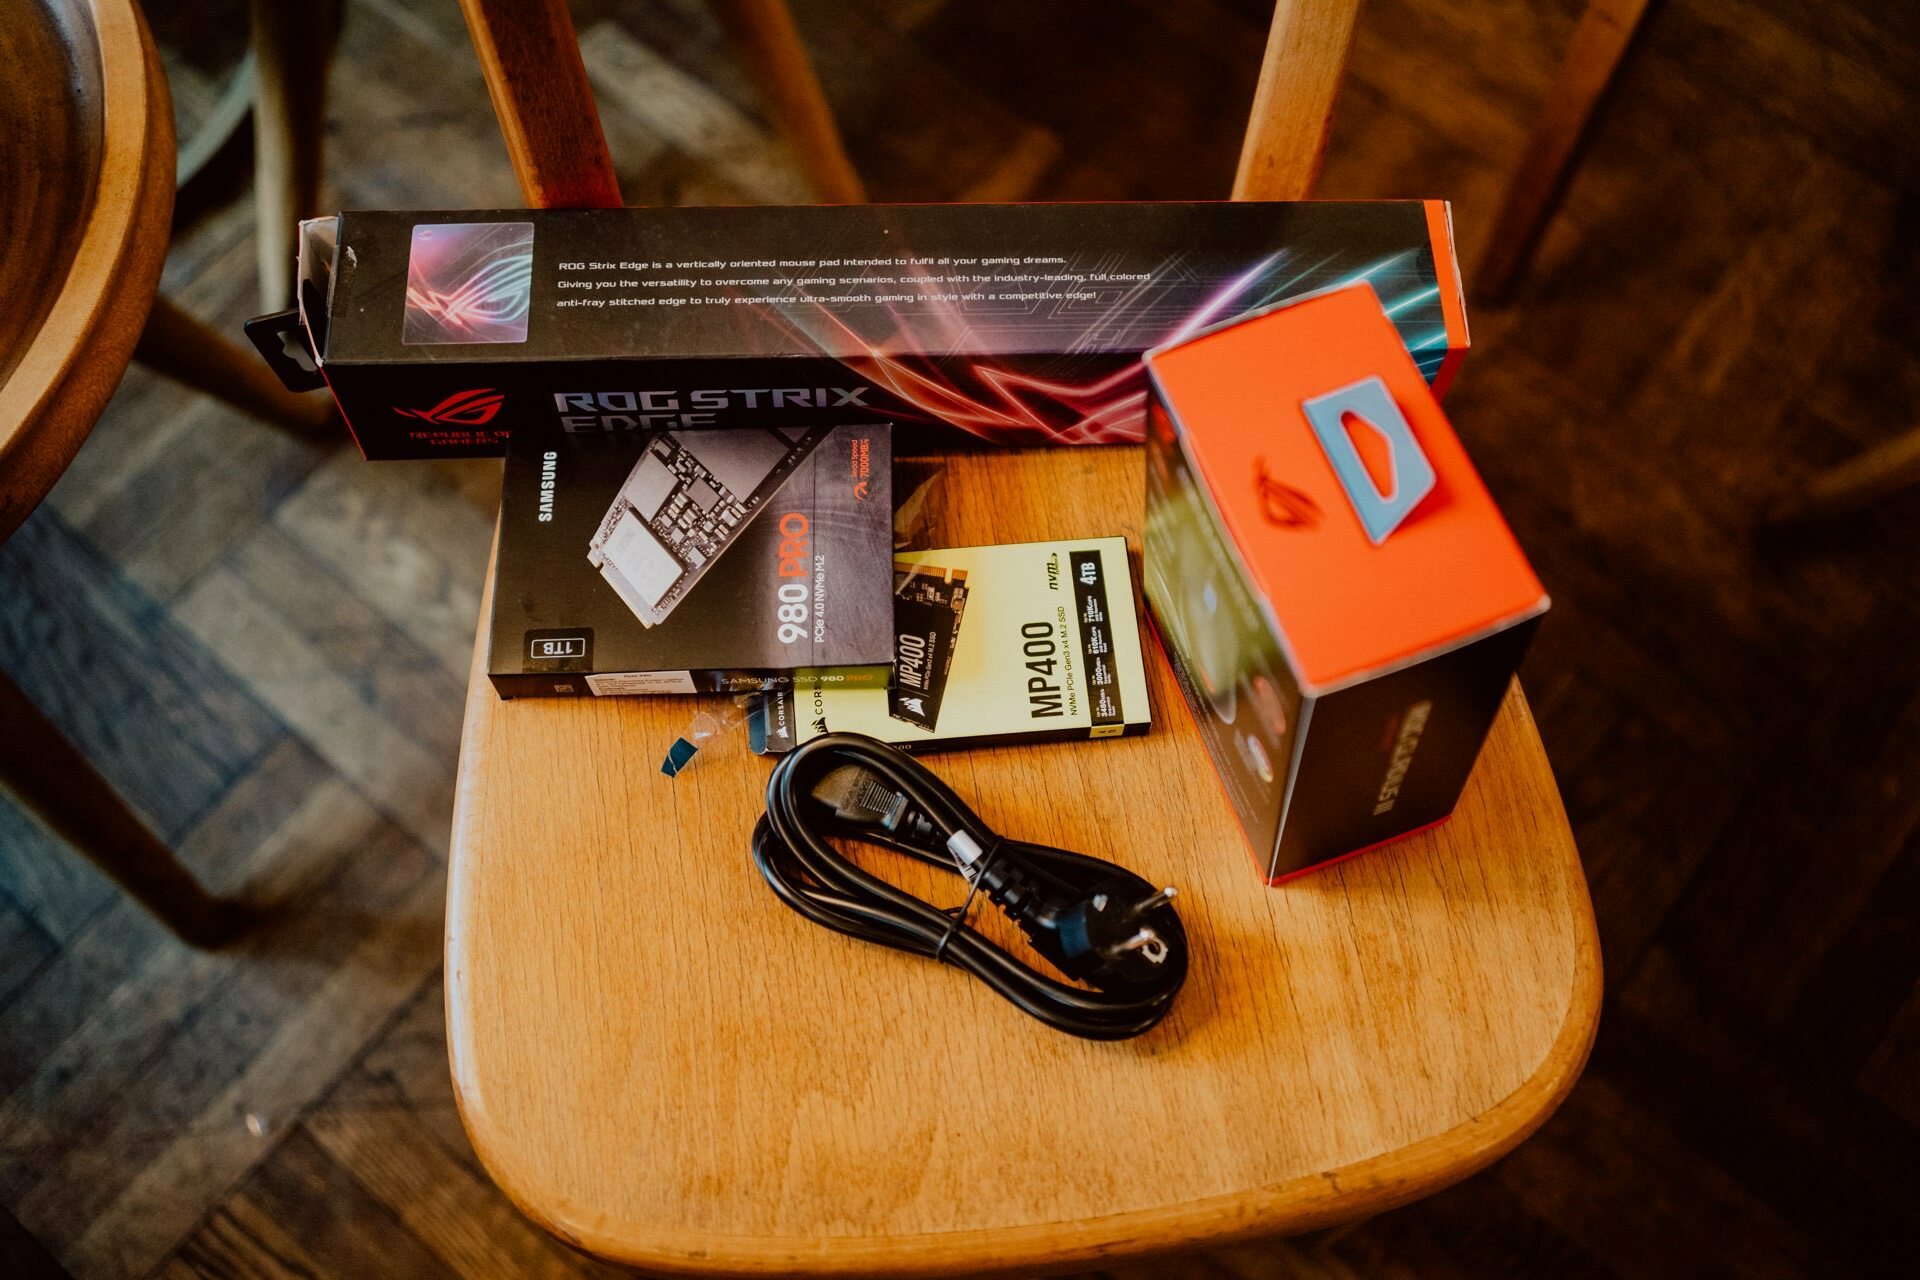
<point x="474" y="408"/>
<point x="1283" y="506"/>
<point x="860" y="488"/>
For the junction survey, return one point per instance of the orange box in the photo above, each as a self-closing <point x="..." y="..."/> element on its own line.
<point x="1342" y="602"/>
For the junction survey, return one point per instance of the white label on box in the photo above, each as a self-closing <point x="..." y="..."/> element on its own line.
<point x="641" y="682"/>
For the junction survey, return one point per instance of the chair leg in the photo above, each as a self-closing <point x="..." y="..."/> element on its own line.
<point x="766" y="41"/>
<point x="1878" y="473"/>
<point x="292" y="44"/>
<point x="182" y="348"/>
<point x="1593" y="56"/>
<point x="44" y="770"/>
<point x="1300" y="71"/>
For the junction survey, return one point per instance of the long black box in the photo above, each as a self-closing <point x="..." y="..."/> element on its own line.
<point x="1012" y="324"/>
<point x="1339" y="596"/>
<point x="684" y="562"/>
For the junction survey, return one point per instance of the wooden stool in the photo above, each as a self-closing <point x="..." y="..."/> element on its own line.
<point x="668" y="1069"/>
<point x="89" y="188"/>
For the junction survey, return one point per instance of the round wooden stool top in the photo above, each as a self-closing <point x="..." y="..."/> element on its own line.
<point x="86" y="178"/>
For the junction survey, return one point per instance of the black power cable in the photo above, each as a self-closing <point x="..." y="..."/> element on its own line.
<point x="1095" y="922"/>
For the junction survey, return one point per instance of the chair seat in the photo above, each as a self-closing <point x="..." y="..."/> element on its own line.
<point x="669" y="1069"/>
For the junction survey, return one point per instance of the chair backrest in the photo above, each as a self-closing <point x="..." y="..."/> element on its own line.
<point x="540" y="91"/>
<point x="538" y="81"/>
<point x="1293" y="107"/>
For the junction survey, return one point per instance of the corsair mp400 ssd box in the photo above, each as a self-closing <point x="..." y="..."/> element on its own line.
<point x="1343" y="604"/>
<point x="1011" y="324"/>
<point x="685" y="562"/>
<point x="1022" y="642"/>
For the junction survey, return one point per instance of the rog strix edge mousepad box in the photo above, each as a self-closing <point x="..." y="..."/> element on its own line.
<point x="689" y="562"/>
<point x="999" y="324"/>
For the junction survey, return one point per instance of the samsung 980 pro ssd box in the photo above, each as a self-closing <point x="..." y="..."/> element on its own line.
<point x="684" y="562"/>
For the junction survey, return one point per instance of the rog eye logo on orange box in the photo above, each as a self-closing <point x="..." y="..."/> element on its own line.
<point x="1282" y="505"/>
<point x="1362" y="582"/>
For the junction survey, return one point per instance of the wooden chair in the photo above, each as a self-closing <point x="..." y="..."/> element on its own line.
<point x="668" y="1069"/>
<point x="1599" y="44"/>
<point x="538" y="105"/>
<point x="292" y="45"/>
<point x="280" y="88"/>
<point x="86" y="177"/>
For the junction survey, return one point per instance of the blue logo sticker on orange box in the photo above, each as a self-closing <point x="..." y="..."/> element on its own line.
<point x="1367" y="406"/>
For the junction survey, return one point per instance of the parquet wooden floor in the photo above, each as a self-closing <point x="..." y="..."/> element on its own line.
<point x="264" y="643"/>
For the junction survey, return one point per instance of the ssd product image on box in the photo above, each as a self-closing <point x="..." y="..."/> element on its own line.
<point x="682" y="506"/>
<point x="1028" y="642"/>
<point x="927" y="603"/>
<point x="669" y="562"/>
